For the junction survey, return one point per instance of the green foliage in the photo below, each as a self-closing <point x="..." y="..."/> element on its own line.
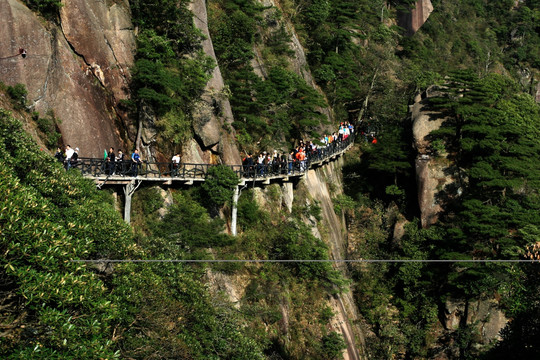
<point x="47" y="8"/>
<point x="343" y="203"/>
<point x="18" y="94"/>
<point x="278" y="107"/>
<point x="497" y="131"/>
<point x="518" y="337"/>
<point x="49" y="217"/>
<point x="333" y="346"/>
<point x="165" y="77"/>
<point x="187" y="225"/>
<point x="249" y="213"/>
<point x="219" y="184"/>
<point x="48" y="127"/>
<point x="385" y="168"/>
<point x="297" y="242"/>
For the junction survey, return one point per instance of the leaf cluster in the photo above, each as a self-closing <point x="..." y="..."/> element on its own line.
<point x="47" y="8"/>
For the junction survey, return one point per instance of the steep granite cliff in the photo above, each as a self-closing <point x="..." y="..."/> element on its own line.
<point x="213" y="114"/>
<point x="78" y="69"/>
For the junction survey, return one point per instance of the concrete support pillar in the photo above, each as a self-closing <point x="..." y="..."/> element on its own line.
<point x="234" y="210"/>
<point x="129" y="189"/>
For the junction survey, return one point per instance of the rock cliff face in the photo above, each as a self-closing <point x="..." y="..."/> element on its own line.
<point x="434" y="172"/>
<point x="81" y="69"/>
<point x="71" y="68"/>
<point x="213" y="114"/>
<point x="414" y="18"/>
<point x="297" y="62"/>
<point x="484" y="315"/>
<point x="333" y="228"/>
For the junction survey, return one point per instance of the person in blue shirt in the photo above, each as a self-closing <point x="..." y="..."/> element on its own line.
<point x="135" y="161"/>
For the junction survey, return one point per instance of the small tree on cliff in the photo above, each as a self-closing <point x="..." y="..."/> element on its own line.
<point x="219" y="184"/>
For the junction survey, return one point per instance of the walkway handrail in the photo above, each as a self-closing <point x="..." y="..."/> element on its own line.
<point x="98" y="168"/>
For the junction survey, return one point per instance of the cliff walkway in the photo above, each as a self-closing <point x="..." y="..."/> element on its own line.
<point x="188" y="174"/>
<point x="130" y="177"/>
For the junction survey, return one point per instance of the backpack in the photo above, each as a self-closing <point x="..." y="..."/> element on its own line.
<point x="74" y="159"/>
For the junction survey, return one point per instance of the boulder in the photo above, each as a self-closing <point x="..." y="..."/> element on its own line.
<point x="484" y="314"/>
<point x="413" y="19"/>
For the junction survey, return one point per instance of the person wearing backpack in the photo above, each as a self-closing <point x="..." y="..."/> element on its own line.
<point x="135" y="161"/>
<point x="74" y="160"/>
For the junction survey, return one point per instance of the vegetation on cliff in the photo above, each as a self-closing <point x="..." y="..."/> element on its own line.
<point x="273" y="106"/>
<point x="53" y="307"/>
<point x="492" y="139"/>
<point x="171" y="69"/>
<point x="369" y="72"/>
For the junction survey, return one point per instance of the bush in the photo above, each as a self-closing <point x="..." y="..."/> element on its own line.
<point x="47" y="8"/>
<point x="48" y="128"/>
<point x="219" y="185"/>
<point x="18" y="94"/>
<point x="333" y="346"/>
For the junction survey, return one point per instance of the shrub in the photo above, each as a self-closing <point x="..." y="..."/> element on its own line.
<point x="219" y="185"/>
<point x="18" y="94"/>
<point x="333" y="346"/>
<point x="47" y="8"/>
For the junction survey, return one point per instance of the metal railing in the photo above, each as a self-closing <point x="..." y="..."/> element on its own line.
<point x="99" y="168"/>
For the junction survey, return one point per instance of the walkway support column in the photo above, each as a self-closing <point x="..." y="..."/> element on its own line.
<point x="234" y="209"/>
<point x="129" y="189"/>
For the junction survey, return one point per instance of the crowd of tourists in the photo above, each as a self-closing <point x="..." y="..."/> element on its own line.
<point x="298" y="159"/>
<point x="120" y="164"/>
<point x="266" y="163"/>
<point x="69" y="157"/>
<point x="114" y="164"/>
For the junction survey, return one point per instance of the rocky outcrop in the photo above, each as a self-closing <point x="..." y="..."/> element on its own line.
<point x="212" y="117"/>
<point x="485" y="316"/>
<point x="297" y="62"/>
<point x="72" y="79"/>
<point x="105" y="40"/>
<point x="343" y="305"/>
<point x="412" y="19"/>
<point x="434" y="172"/>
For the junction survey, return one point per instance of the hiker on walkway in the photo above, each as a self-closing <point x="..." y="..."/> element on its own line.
<point x="69" y="154"/>
<point x="290" y="160"/>
<point x="74" y="161"/>
<point x="301" y="157"/>
<point x="59" y="155"/>
<point x="260" y="163"/>
<point x="111" y="162"/>
<point x="120" y="163"/>
<point x="248" y="165"/>
<point x="175" y="164"/>
<point x="135" y="162"/>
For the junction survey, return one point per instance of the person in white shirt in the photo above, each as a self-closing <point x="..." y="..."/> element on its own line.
<point x="69" y="154"/>
<point x="175" y="164"/>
